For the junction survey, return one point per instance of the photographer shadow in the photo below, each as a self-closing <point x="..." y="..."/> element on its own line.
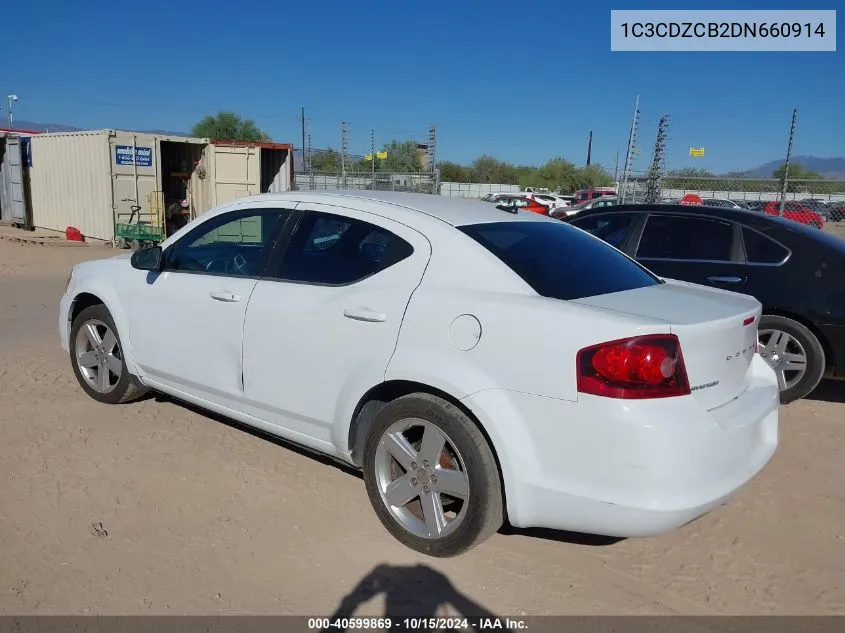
<point x="413" y="592"/>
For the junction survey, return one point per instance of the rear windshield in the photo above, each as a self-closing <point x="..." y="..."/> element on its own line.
<point x="559" y="261"/>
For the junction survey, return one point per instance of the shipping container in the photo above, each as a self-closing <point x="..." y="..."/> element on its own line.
<point x="13" y="179"/>
<point x="239" y="168"/>
<point x="98" y="180"/>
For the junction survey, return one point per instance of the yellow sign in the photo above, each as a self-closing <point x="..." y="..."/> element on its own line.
<point x="381" y="155"/>
<point x="368" y="157"/>
<point x="696" y="151"/>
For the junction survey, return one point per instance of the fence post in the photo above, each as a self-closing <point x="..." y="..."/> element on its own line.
<point x="786" y="165"/>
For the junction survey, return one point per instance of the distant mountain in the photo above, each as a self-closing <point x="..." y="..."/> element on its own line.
<point x="32" y="126"/>
<point x="833" y="168"/>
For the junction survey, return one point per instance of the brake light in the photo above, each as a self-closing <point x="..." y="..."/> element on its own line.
<point x="634" y="368"/>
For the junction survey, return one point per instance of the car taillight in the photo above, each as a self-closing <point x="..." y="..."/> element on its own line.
<point x="634" y="368"/>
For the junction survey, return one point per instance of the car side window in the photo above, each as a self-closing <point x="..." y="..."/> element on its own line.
<point x="686" y="238"/>
<point x="330" y="249"/>
<point x="760" y="249"/>
<point x="613" y="228"/>
<point x="234" y="244"/>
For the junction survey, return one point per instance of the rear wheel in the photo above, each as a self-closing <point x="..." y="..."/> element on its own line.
<point x="795" y="354"/>
<point x="97" y="358"/>
<point x="431" y="476"/>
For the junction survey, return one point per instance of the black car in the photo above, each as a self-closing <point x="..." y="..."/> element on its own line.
<point x="796" y="272"/>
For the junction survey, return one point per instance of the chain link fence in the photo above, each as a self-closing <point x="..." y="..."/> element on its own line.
<point x="417" y="182"/>
<point x="811" y="202"/>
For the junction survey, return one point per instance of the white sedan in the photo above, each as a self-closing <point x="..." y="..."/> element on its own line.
<point x="457" y="353"/>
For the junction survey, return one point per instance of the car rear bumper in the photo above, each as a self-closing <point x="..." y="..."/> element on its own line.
<point x="627" y="468"/>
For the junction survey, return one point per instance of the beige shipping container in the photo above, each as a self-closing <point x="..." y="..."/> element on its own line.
<point x="234" y="169"/>
<point x="92" y="180"/>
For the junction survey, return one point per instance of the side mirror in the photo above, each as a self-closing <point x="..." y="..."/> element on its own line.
<point x="147" y="259"/>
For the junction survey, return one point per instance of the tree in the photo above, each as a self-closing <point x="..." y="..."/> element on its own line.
<point x="401" y="156"/>
<point x="228" y="126"/>
<point x="452" y="172"/>
<point x="796" y="174"/>
<point x="328" y="161"/>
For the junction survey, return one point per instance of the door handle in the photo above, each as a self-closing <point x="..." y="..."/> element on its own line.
<point x="225" y="297"/>
<point x="365" y="314"/>
<point x="729" y="279"/>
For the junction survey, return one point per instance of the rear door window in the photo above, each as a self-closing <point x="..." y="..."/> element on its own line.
<point x="613" y="228"/>
<point x="558" y="261"/>
<point x="760" y="249"/>
<point x="686" y="238"/>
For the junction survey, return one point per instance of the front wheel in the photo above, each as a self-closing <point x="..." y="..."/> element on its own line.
<point x="795" y="354"/>
<point x="97" y="358"/>
<point x="431" y="476"/>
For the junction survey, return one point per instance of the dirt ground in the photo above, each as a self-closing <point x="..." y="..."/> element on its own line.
<point x="155" y="508"/>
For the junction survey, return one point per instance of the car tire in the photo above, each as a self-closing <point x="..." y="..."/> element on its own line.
<point x="794" y="338"/>
<point x="100" y="367"/>
<point x="469" y="461"/>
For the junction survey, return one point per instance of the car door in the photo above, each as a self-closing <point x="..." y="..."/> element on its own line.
<point x="699" y="249"/>
<point x="322" y="326"/>
<point x="765" y="275"/>
<point x="186" y="322"/>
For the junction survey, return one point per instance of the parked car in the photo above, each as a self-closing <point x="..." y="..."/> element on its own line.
<point x="796" y="212"/>
<point x="836" y="211"/>
<point x="583" y="195"/>
<point x="381" y="329"/>
<point x="575" y="209"/>
<point x="819" y="206"/>
<point x="754" y="205"/>
<point x="723" y="203"/>
<point x="523" y="203"/>
<point x="795" y="271"/>
<point x="553" y="202"/>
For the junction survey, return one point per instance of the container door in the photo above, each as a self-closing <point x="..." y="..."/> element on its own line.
<point x="13" y="202"/>
<point x="134" y="160"/>
<point x="236" y="172"/>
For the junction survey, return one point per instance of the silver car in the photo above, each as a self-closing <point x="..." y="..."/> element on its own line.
<point x="601" y="201"/>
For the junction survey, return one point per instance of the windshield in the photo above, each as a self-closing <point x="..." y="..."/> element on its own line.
<point x="559" y="261"/>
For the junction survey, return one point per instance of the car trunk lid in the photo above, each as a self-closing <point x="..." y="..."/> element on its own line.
<point x="717" y="330"/>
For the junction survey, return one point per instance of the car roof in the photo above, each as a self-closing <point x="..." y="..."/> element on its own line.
<point x="406" y="206"/>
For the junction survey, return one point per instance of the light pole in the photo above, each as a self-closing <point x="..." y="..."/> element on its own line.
<point x="12" y="99"/>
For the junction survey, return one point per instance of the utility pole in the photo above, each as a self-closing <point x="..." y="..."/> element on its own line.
<point x="432" y="159"/>
<point x="373" y="155"/>
<point x="12" y="99"/>
<point x="616" y="169"/>
<point x="432" y="148"/>
<point x="629" y="155"/>
<point x="589" y="148"/>
<point x="785" y="167"/>
<point x="344" y="147"/>
<point x="655" y="172"/>
<point x="302" y="122"/>
<point x="310" y="164"/>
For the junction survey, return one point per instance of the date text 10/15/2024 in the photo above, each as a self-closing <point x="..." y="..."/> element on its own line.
<point x="418" y="624"/>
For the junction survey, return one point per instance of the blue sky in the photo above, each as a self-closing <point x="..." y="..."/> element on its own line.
<point x="523" y="81"/>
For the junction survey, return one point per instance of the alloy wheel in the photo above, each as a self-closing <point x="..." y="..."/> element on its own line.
<point x="785" y="355"/>
<point x="98" y="356"/>
<point x="422" y="478"/>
